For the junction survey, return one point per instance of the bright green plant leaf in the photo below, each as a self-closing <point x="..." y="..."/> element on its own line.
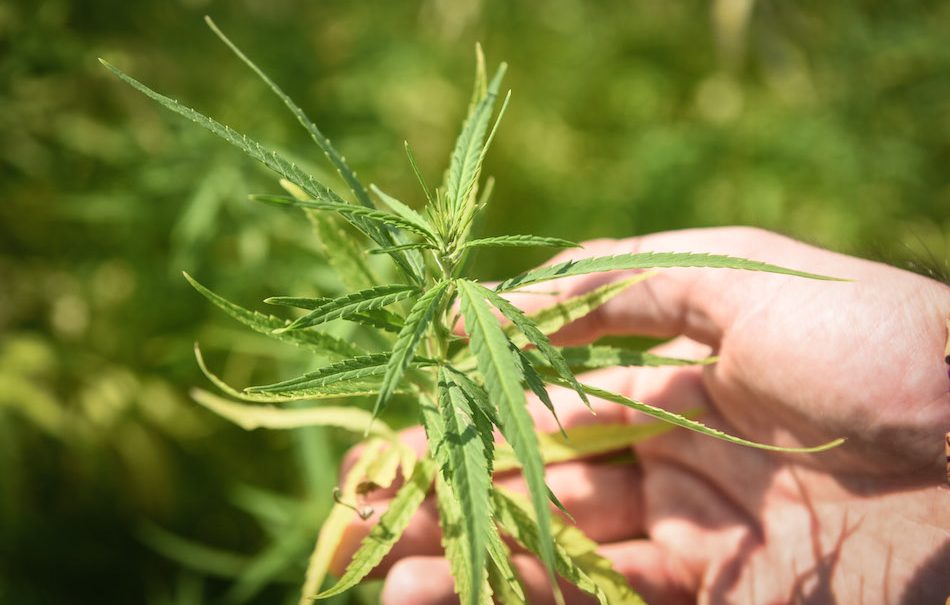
<point x="521" y="524"/>
<point x="323" y="344"/>
<point x="600" y="356"/>
<point x="551" y="319"/>
<point x="417" y="172"/>
<point x="403" y="210"/>
<point x="341" y="247"/>
<point x="519" y="241"/>
<point x="457" y="542"/>
<point x="417" y="322"/>
<point x="416" y="246"/>
<point x="376" y="318"/>
<point x="535" y="383"/>
<point x="583" y="441"/>
<point x="352" y="304"/>
<point x="693" y="425"/>
<point x="465" y="161"/>
<point x="349" y="389"/>
<point x="582" y="552"/>
<point x="250" y="417"/>
<point x="381" y="236"/>
<point x="355" y="368"/>
<point x="501" y="572"/>
<point x="500" y="370"/>
<point x="646" y="260"/>
<point x="469" y="475"/>
<point x="271" y="159"/>
<point x="386" y="533"/>
<point x="349" y="210"/>
<point x="536" y="337"/>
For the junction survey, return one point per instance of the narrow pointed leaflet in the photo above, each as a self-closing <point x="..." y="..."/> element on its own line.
<point x="352" y="304"/>
<point x="646" y="260"/>
<point x="417" y="322"/>
<point x="502" y="378"/>
<point x="336" y="159"/>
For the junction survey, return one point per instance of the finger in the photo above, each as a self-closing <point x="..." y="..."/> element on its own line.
<point x="656" y="576"/>
<point x="700" y="303"/>
<point x="421" y="581"/>
<point x="605" y="501"/>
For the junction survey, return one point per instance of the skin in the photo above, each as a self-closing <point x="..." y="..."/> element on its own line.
<point x="698" y="520"/>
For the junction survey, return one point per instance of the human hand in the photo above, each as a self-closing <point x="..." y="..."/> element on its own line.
<point x="800" y="362"/>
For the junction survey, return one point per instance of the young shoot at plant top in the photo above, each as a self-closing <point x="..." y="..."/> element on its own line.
<point x="464" y="388"/>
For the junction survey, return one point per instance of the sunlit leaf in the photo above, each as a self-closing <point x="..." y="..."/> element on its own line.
<point x="348" y="389"/>
<point x="328" y="346"/>
<point x="519" y="241"/>
<point x="417" y="322"/>
<point x="500" y="369"/>
<point x="386" y="533"/>
<point x="537" y="338"/>
<point x="250" y="417"/>
<point x="519" y="522"/>
<point x="381" y="236"/>
<point x="379" y="217"/>
<point x="349" y="305"/>
<point x="646" y="260"/>
<point x="693" y="425"/>
<point x="600" y="356"/>
<point x="469" y="475"/>
<point x="583" y="441"/>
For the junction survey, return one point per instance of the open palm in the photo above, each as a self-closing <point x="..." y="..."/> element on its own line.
<point x="801" y="362"/>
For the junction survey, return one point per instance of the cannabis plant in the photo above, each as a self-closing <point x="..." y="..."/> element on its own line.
<point x="465" y="387"/>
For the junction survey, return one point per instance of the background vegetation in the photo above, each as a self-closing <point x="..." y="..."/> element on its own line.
<point x="829" y="122"/>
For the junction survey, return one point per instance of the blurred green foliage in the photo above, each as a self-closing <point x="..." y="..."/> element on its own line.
<point x="826" y="121"/>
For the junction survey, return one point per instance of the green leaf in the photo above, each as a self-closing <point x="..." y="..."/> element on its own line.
<point x="502" y="378"/>
<point x="271" y="159"/>
<point x="404" y="349"/>
<point x="349" y="210"/>
<point x="534" y="382"/>
<point x="517" y="520"/>
<point x="646" y="260"/>
<point x="250" y="417"/>
<point x="519" y="241"/>
<point x="416" y="246"/>
<point x="334" y="526"/>
<point x="583" y="441"/>
<point x="377" y="318"/>
<point x="355" y="368"/>
<point x="456" y="540"/>
<point x="328" y="346"/>
<point x="349" y="389"/>
<point x="600" y="356"/>
<point x="501" y="573"/>
<point x="469" y="474"/>
<point x="381" y="236"/>
<point x="538" y="338"/>
<point x="386" y="533"/>
<point x="466" y="161"/>
<point x="403" y="210"/>
<point x="354" y="303"/>
<point x="339" y="245"/>
<point x="693" y="425"/>
<point x="551" y="319"/>
<point x="476" y="394"/>
<point x="418" y="173"/>
<point x="582" y="552"/>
